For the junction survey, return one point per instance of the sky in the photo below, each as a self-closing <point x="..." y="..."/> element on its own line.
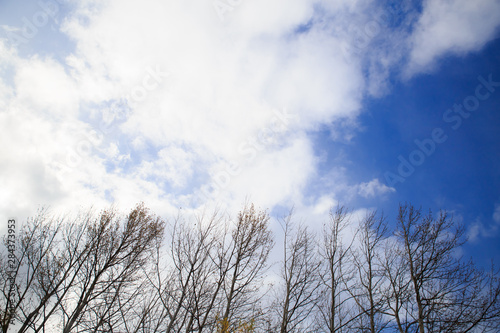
<point x="202" y="103"/>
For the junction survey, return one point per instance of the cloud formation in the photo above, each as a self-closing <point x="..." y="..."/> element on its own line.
<point x="175" y="103"/>
<point x="452" y="27"/>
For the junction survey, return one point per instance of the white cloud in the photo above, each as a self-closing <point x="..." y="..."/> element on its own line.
<point x="195" y="90"/>
<point x="374" y="188"/>
<point x="44" y="86"/>
<point x="452" y="27"/>
<point x="172" y="166"/>
<point x="323" y="205"/>
<point x="272" y="177"/>
<point x="226" y="80"/>
<point x="261" y="17"/>
<point x="479" y="229"/>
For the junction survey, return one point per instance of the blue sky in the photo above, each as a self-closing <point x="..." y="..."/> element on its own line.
<point x="305" y="104"/>
<point x="462" y="175"/>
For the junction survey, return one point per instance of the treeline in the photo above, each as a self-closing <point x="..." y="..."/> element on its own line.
<point x="212" y="273"/>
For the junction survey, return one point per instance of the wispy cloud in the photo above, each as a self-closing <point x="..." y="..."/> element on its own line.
<point x="374" y="188"/>
<point x="479" y="229"/>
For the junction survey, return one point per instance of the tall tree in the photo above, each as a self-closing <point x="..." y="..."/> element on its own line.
<point x="74" y="273"/>
<point x="335" y="310"/>
<point x="190" y="296"/>
<point x="46" y="266"/>
<point x="370" y="279"/>
<point x="447" y="294"/>
<point x="118" y="249"/>
<point x="300" y="274"/>
<point x="244" y="265"/>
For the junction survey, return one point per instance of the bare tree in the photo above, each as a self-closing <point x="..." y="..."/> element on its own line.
<point x="243" y="266"/>
<point x="117" y="250"/>
<point x="211" y="276"/>
<point x="117" y="253"/>
<point x="367" y="292"/>
<point x="35" y="273"/>
<point x="189" y="298"/>
<point x="72" y="273"/>
<point x="447" y="293"/>
<point x="335" y="310"/>
<point x="300" y="274"/>
<point x="397" y="291"/>
<point x="43" y="268"/>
